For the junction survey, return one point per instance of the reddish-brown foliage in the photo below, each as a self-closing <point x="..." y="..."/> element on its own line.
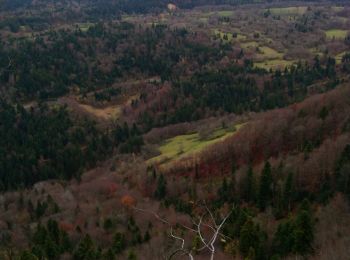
<point x="128" y="201"/>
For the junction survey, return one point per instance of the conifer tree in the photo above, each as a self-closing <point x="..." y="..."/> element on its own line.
<point x="288" y="192"/>
<point x="304" y="230"/>
<point x="28" y="256"/>
<point x="283" y="241"/>
<point x="85" y="249"/>
<point x="161" y="187"/>
<point x="109" y="255"/>
<point x="265" y="188"/>
<point x="119" y="243"/>
<point x="251" y="240"/>
<point x="248" y="190"/>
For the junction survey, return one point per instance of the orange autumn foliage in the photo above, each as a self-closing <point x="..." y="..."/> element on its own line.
<point x="128" y="201"/>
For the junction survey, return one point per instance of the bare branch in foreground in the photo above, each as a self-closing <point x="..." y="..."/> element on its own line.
<point x="207" y="243"/>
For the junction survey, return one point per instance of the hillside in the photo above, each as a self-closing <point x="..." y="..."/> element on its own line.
<point x="204" y="130"/>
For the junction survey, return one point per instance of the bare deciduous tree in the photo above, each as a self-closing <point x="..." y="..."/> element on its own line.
<point x="205" y="220"/>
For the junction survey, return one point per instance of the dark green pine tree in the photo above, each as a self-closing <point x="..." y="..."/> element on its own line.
<point x="109" y="255"/>
<point x="251" y="240"/>
<point x="342" y="172"/>
<point x="247" y="237"/>
<point x="232" y="184"/>
<point x="283" y="241"/>
<point x="223" y="192"/>
<point x="265" y="188"/>
<point x="288" y="192"/>
<point x="248" y="186"/>
<point x="304" y="230"/>
<point x="28" y="256"/>
<point x="161" y="188"/>
<point x="146" y="236"/>
<point x="52" y="249"/>
<point x="196" y="172"/>
<point x="85" y="250"/>
<point x="132" y="255"/>
<point x="119" y="243"/>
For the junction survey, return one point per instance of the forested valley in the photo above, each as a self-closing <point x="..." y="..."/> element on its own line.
<point x="173" y="130"/>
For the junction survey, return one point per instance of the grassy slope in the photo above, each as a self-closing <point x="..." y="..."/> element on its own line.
<point x="336" y="34"/>
<point x="295" y="10"/>
<point x="189" y="144"/>
<point x="230" y="37"/>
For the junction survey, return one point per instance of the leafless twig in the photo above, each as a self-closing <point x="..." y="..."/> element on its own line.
<point x="207" y="243"/>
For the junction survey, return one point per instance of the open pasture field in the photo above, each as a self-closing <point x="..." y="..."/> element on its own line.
<point x="267" y="53"/>
<point x="274" y="64"/>
<point x="295" y="10"/>
<point x="189" y="144"/>
<point x="336" y="34"/>
<point x="229" y="36"/>
<point x="111" y="112"/>
<point x="84" y="26"/>
<point x="225" y="13"/>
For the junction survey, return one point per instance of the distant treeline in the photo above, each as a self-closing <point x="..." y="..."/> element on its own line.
<point x="109" y="7"/>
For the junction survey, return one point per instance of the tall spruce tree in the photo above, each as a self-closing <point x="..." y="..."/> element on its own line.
<point x="85" y="250"/>
<point x="248" y="189"/>
<point x="304" y="230"/>
<point x="161" y="187"/>
<point x="265" y="188"/>
<point x="288" y="191"/>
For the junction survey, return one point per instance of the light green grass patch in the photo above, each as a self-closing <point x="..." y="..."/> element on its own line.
<point x="223" y="35"/>
<point x="337" y="8"/>
<point x="339" y="57"/>
<point x="267" y="53"/>
<point x="294" y="10"/>
<point x="241" y="37"/>
<point x="249" y="45"/>
<point x="184" y="145"/>
<point x="206" y="14"/>
<point x="128" y="18"/>
<point x="203" y="19"/>
<point x="84" y="26"/>
<point x="227" y="36"/>
<point x="225" y="13"/>
<point x="316" y="51"/>
<point x="274" y="64"/>
<point x="336" y="34"/>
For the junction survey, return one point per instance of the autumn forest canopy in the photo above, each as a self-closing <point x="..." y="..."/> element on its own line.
<point x="199" y="129"/>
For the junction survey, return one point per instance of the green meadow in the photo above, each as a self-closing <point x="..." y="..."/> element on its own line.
<point x="336" y="34"/>
<point x="184" y="145"/>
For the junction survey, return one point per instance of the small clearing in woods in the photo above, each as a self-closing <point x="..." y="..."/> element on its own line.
<point x="184" y="145"/>
<point x="110" y="112"/>
<point x="336" y="34"/>
<point x="295" y="10"/>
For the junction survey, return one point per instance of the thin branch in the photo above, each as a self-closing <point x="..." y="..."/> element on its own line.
<point x="182" y="246"/>
<point x="210" y="244"/>
<point x="154" y="214"/>
<point x="211" y="215"/>
<point x="178" y="238"/>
